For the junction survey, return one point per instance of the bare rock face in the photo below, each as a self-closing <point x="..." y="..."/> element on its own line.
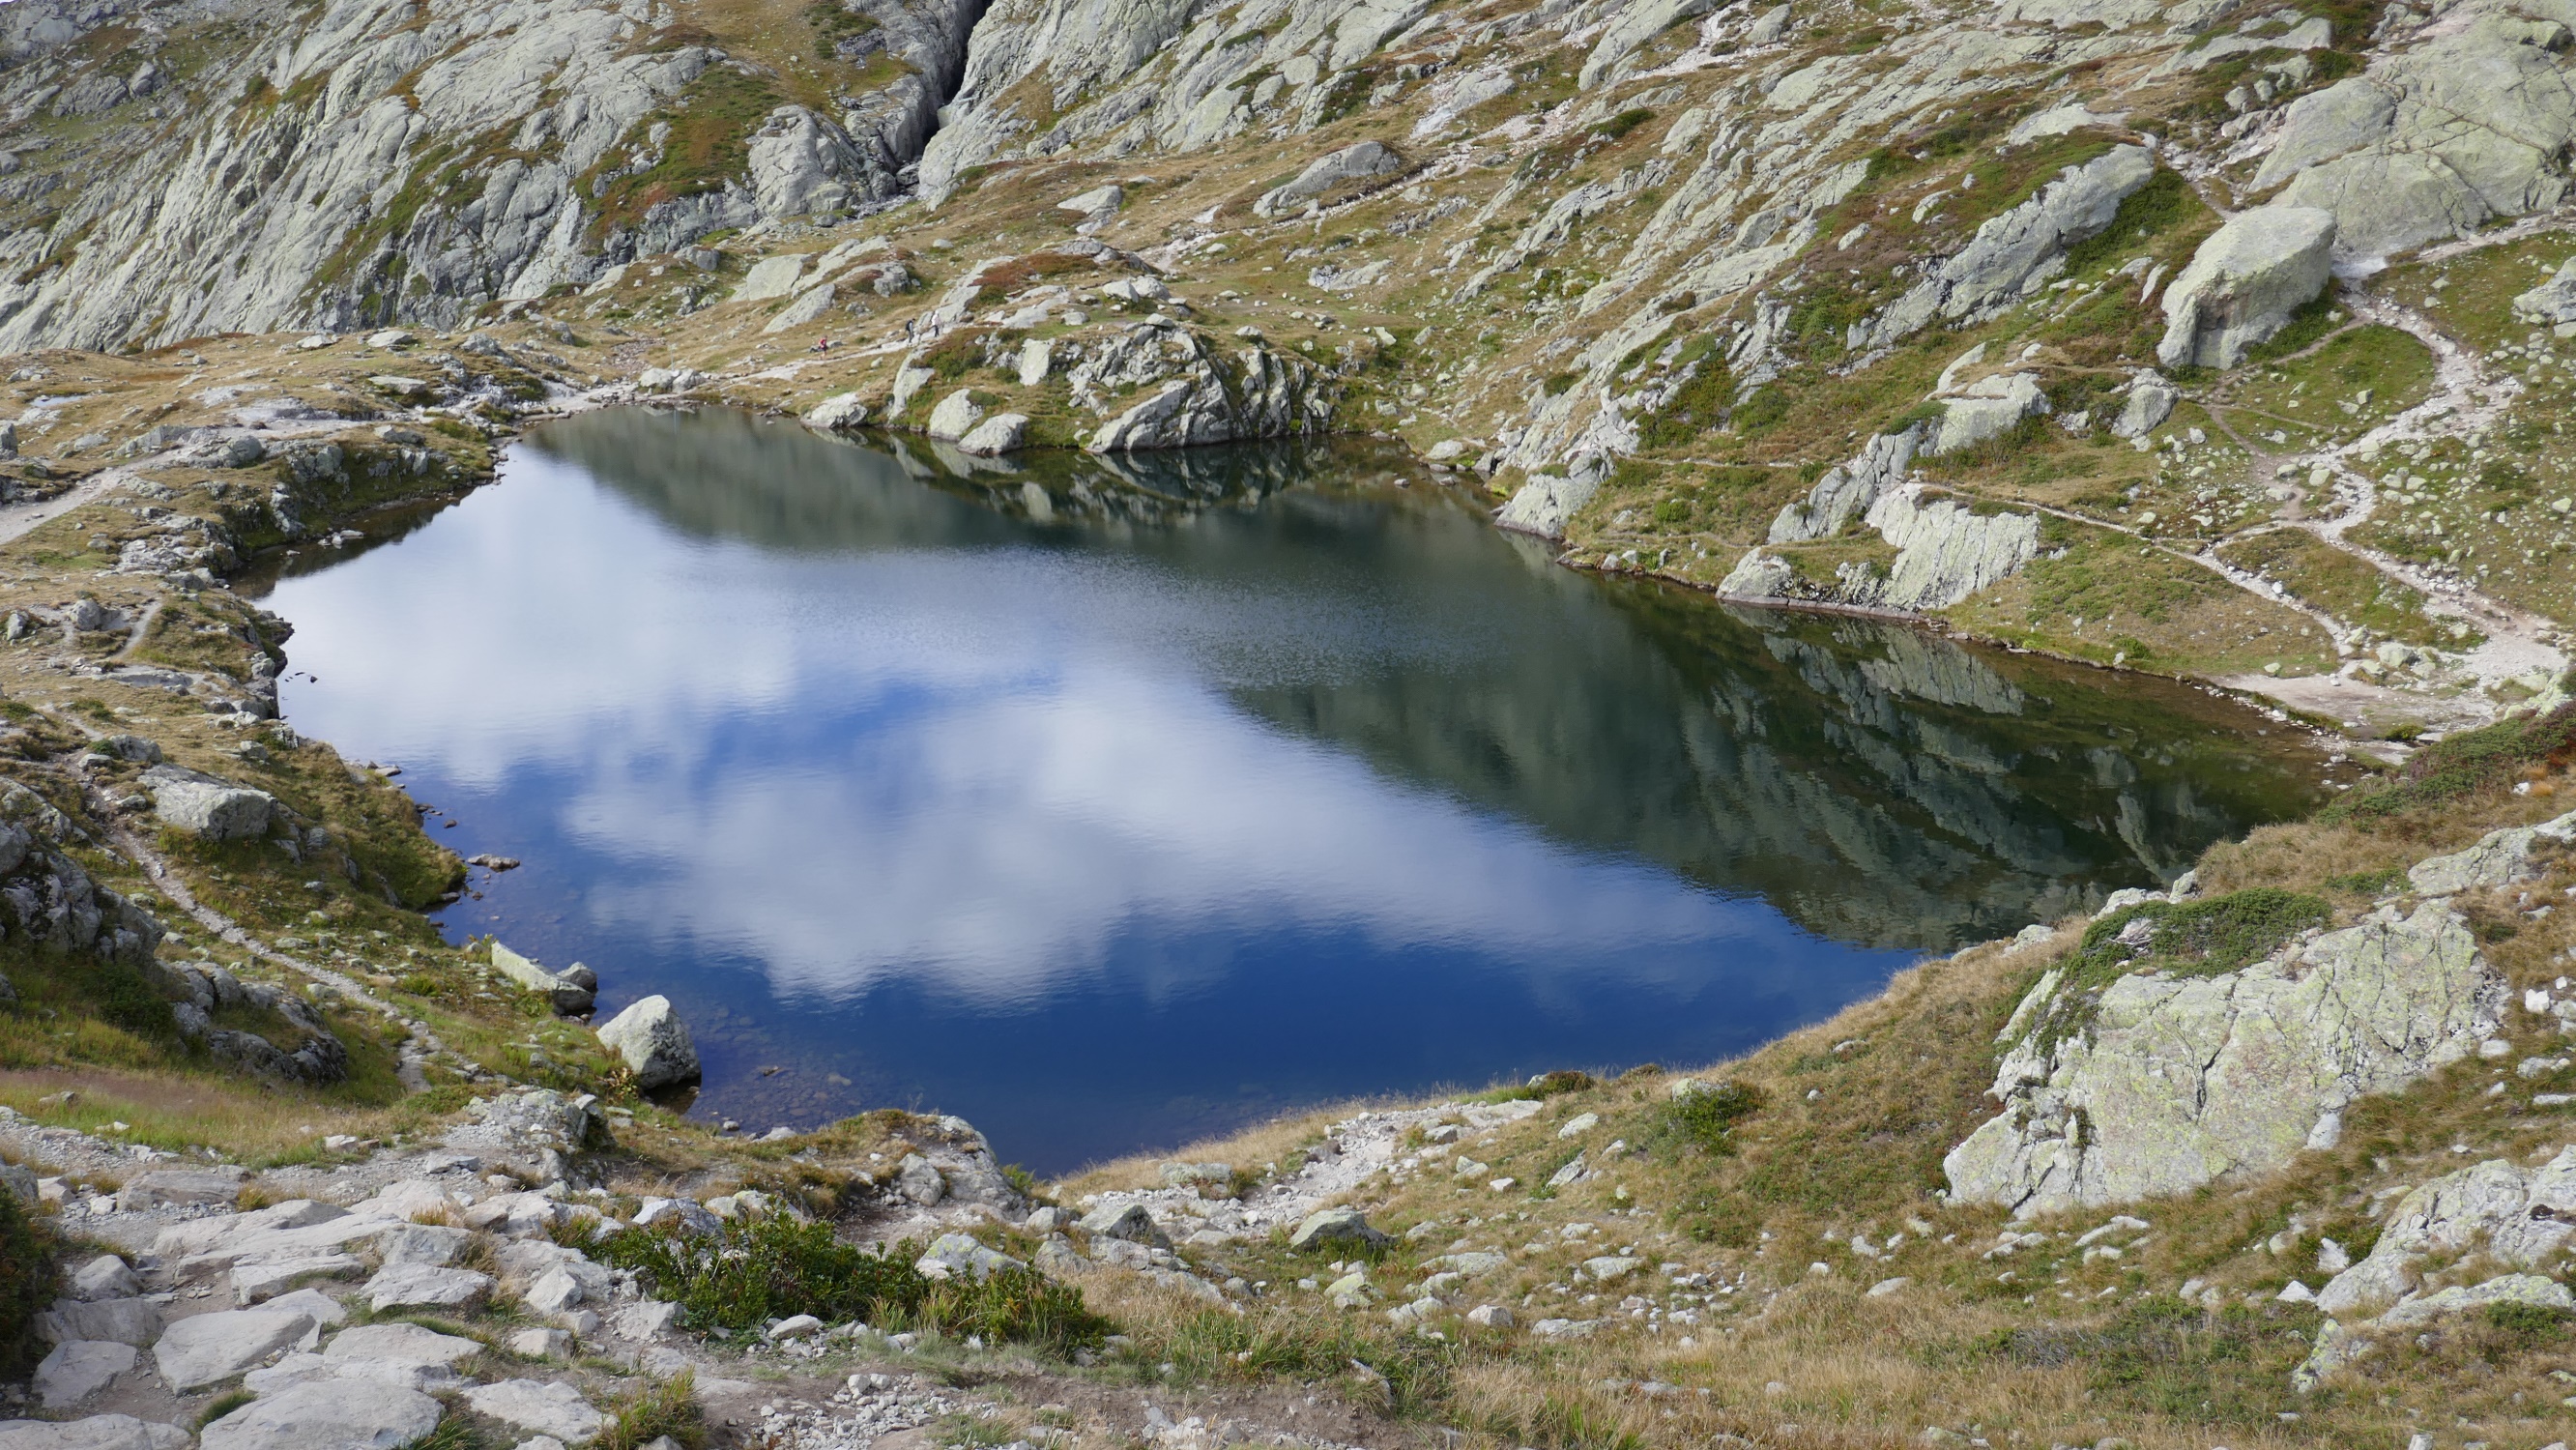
<point x="2243" y="284"/>
<point x="1845" y="493"/>
<point x="2014" y="253"/>
<point x="2177" y="1081"/>
<point x="1543" y="505"/>
<point x="1203" y="397"/>
<point x="2458" y="129"/>
<point x="313" y="171"/>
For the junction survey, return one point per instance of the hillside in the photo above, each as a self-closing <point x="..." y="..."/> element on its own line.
<point x="2225" y="341"/>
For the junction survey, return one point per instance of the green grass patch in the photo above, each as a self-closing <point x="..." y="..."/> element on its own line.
<point x="2470" y="763"/>
<point x="2165" y="202"/>
<point x="711" y="122"/>
<point x="1705" y="1119"/>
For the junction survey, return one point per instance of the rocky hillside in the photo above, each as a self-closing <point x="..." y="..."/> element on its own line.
<point x="2227" y="340"/>
<point x="2216" y="338"/>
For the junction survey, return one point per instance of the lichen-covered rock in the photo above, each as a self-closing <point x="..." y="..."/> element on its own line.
<point x="2147" y="402"/>
<point x="2518" y="1215"/>
<point x="1196" y="394"/>
<point x="841" y="410"/>
<point x="2177" y="1081"/>
<point x="999" y="434"/>
<point x="1945" y="551"/>
<point x="1845" y="493"/>
<point x="1990" y="407"/>
<point x="564" y="991"/>
<point x="2552" y="303"/>
<point x="2018" y="251"/>
<point x="2243" y="284"/>
<point x="2500" y="858"/>
<point x="536" y="1133"/>
<point x="2464" y="126"/>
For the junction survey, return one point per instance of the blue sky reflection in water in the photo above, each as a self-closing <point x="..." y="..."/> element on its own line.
<point x="1108" y="810"/>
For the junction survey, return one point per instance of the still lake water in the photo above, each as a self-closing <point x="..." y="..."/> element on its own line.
<point x="1111" y="805"/>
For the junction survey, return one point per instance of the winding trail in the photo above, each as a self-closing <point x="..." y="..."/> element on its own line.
<point x="2465" y="401"/>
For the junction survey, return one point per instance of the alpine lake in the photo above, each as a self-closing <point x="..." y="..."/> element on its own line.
<point x="1111" y="803"/>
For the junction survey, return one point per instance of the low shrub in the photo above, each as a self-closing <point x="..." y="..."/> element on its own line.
<point x="2466" y="764"/>
<point x="1705" y="1118"/>
<point x="753" y="1271"/>
<point x="30" y="1269"/>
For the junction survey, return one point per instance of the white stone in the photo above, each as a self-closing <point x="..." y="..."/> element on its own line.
<point x="1545" y="504"/>
<point x="212" y="1348"/>
<point x="335" y="1414"/>
<point x="654" y="1043"/>
<point x="105" y="1277"/>
<point x="544" y="1407"/>
<point x="78" y="1369"/>
<point x="770" y="277"/>
<point x="999" y="434"/>
<point x="98" y="1432"/>
<point x="424" y="1286"/>
<point x="204" y="806"/>
<point x="841" y="410"/>
<point x="542" y="1343"/>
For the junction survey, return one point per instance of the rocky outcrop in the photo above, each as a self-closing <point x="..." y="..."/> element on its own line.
<point x="2467" y="125"/>
<point x="1945" y="551"/>
<point x="2552" y="303"/>
<point x="2167" y="1081"/>
<point x="2243" y="284"/>
<point x="1847" y="492"/>
<point x="1990" y="407"/>
<point x="368" y="162"/>
<point x="50" y="903"/>
<point x="2518" y="1216"/>
<point x="2018" y="251"/>
<point x="1545" y="505"/>
<point x="2499" y="858"/>
<point x="1192" y="393"/>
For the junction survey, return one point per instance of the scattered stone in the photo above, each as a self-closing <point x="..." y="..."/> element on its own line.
<point x="546" y="1408"/>
<point x="654" y="1043"/>
<point x="999" y="434"/>
<point x="1337" y="1226"/>
<point x="841" y="410"/>
<point x="78" y="1369"/>
<point x="212" y="1348"/>
<point x="1491" y="1316"/>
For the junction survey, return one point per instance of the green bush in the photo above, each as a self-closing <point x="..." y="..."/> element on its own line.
<point x="1703" y="1119"/>
<point x="756" y="1270"/>
<point x="30" y="1269"/>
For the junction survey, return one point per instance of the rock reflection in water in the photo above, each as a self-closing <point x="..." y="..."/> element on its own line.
<point x="1111" y="803"/>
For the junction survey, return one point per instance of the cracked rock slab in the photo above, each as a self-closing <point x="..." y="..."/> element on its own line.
<point x="2178" y="1081"/>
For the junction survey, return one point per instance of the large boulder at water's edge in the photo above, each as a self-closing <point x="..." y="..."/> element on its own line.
<point x="654" y="1042"/>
